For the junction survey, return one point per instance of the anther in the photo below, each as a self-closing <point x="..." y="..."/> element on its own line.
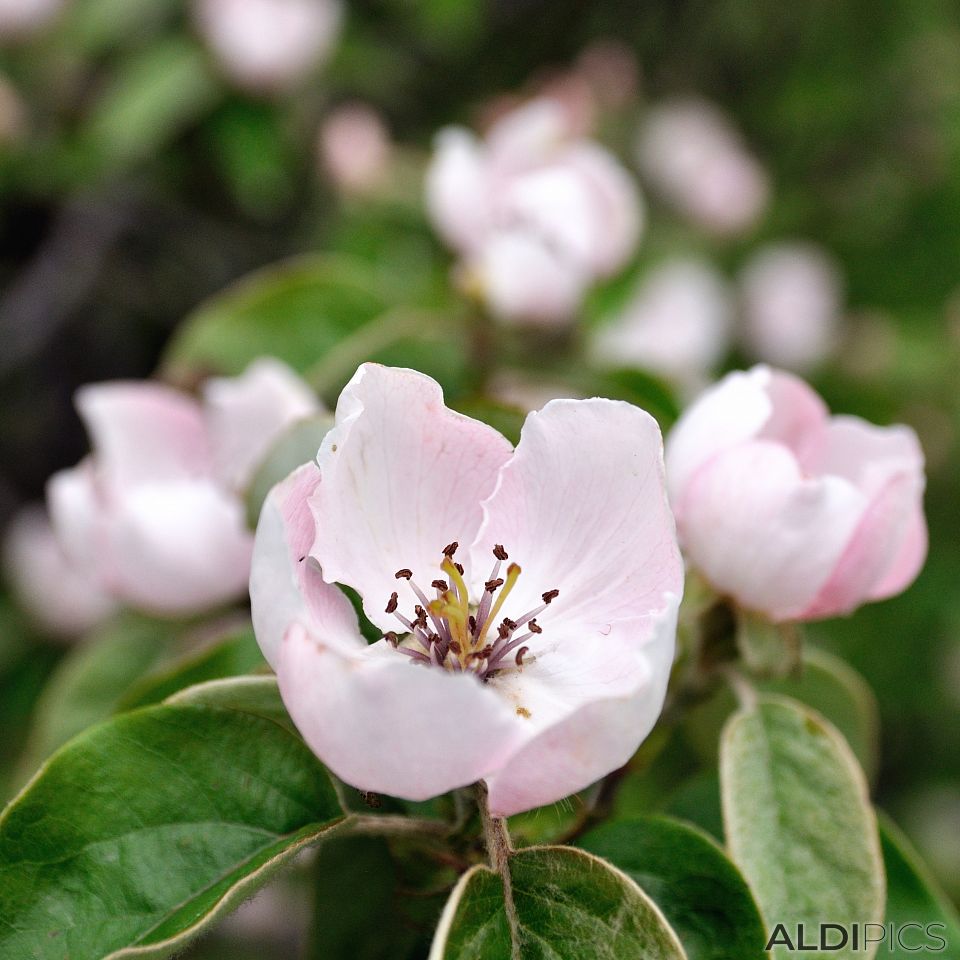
<point x="392" y="639"/>
<point x="509" y="624"/>
<point x="492" y="585"/>
<point x="534" y="627"/>
<point x="392" y="603"/>
<point x="499" y="552"/>
<point x="455" y="647"/>
<point x="404" y="574"/>
<point x="550" y="595"/>
<point x="503" y="631"/>
<point x="450" y="549"/>
<point x="459" y="567"/>
<point x="472" y="623"/>
<point x="441" y="585"/>
<point x="518" y="659"/>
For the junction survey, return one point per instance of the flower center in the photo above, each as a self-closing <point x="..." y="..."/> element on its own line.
<point x="452" y="632"/>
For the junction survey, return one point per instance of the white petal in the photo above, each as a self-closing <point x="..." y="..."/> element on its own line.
<point x="178" y="548"/>
<point x="383" y="723"/>
<point x="286" y="585"/>
<point x="246" y="414"/>
<point x="143" y="432"/>
<point x="457" y="189"/>
<point x="582" y="508"/>
<point x="401" y="477"/>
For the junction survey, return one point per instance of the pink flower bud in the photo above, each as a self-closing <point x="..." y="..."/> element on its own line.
<point x="269" y="46"/>
<point x="791" y="303"/>
<point x="154" y="514"/>
<point x="63" y="599"/>
<point x="789" y="511"/>
<point x="355" y="149"/>
<point x="695" y="159"/>
<point x="527" y="597"/>
<point x="564" y="204"/>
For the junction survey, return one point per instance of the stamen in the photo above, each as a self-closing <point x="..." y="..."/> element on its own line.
<point x="450" y="549"/>
<point x="403" y="574"/>
<point x="413" y="654"/>
<point x="513" y="572"/>
<point x="550" y="596"/>
<point x="392" y="603"/>
<point x="391" y="637"/>
<point x="441" y="585"/>
<point x="535" y="627"/>
<point x="518" y="659"/>
<point x="459" y="567"/>
<point x="491" y="586"/>
<point x="499" y="552"/>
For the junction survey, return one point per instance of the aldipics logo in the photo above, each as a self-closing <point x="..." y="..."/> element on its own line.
<point x="824" y="937"/>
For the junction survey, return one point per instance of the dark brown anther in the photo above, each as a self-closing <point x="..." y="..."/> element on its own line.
<point x="510" y="624"/>
<point x="392" y="638"/>
<point x="441" y="585"/>
<point x="534" y="627"/>
<point x="518" y="659"/>
<point x="492" y="585"/>
<point x="404" y="574"/>
<point x="393" y="603"/>
<point x="500" y="553"/>
<point x="550" y="596"/>
<point x="455" y="647"/>
<point x="486" y="651"/>
<point x="450" y="549"/>
<point x="472" y="623"/>
<point x="503" y="631"/>
<point x="418" y="610"/>
<point x="421" y="620"/>
<point x="459" y="567"/>
<point x="304" y="557"/>
<point x="433" y="638"/>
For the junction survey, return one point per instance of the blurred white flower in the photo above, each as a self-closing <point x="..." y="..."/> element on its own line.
<point x="693" y="156"/>
<point x="354" y="147"/>
<point x="677" y="324"/>
<point x="536" y="213"/>
<point x="62" y="598"/>
<point x="269" y="45"/>
<point x="22" y="17"/>
<point x="792" y="302"/>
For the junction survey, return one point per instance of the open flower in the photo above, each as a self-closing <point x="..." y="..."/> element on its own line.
<point x="527" y="597"/>
<point x="155" y="513"/>
<point x="791" y="512"/>
<point x="536" y="212"/>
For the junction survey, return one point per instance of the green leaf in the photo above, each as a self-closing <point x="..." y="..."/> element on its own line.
<point x="322" y="314"/>
<point x="140" y="831"/>
<point x="259" y="696"/>
<point x="153" y="97"/>
<point x="230" y="656"/>
<point x="569" y="905"/>
<point x="89" y="684"/>
<point x="798" y="818"/>
<point x="294" y="447"/>
<point x="913" y="895"/>
<point x="701" y="893"/>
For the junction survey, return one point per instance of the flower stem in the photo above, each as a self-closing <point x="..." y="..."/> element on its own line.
<point x="499" y="849"/>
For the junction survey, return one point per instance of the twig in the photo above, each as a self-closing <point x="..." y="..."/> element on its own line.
<point x="499" y="849"/>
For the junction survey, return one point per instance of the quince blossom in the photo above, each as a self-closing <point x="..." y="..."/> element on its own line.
<point x="527" y="598"/>
<point x="155" y="512"/>
<point x="789" y="511"/>
<point x="536" y="212"/>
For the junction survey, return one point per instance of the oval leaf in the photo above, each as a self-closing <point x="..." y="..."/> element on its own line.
<point x="569" y="905"/>
<point x="798" y="819"/>
<point x="140" y="831"/>
<point x="701" y="893"/>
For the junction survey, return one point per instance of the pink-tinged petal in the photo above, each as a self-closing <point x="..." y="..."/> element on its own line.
<point x="744" y="405"/>
<point x="617" y="206"/>
<point x="457" y="190"/>
<point x="401" y="477"/>
<point x="286" y="585"/>
<point x="383" y="723"/>
<point x="587" y="715"/>
<point x="527" y="136"/>
<point x="178" y="548"/>
<point x="77" y="517"/>
<point x="908" y="560"/>
<point x="62" y="598"/>
<point x="885" y="541"/>
<point x="525" y="281"/>
<point x="246" y="414"/>
<point x="143" y="432"/>
<point x="762" y="532"/>
<point x="582" y="508"/>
